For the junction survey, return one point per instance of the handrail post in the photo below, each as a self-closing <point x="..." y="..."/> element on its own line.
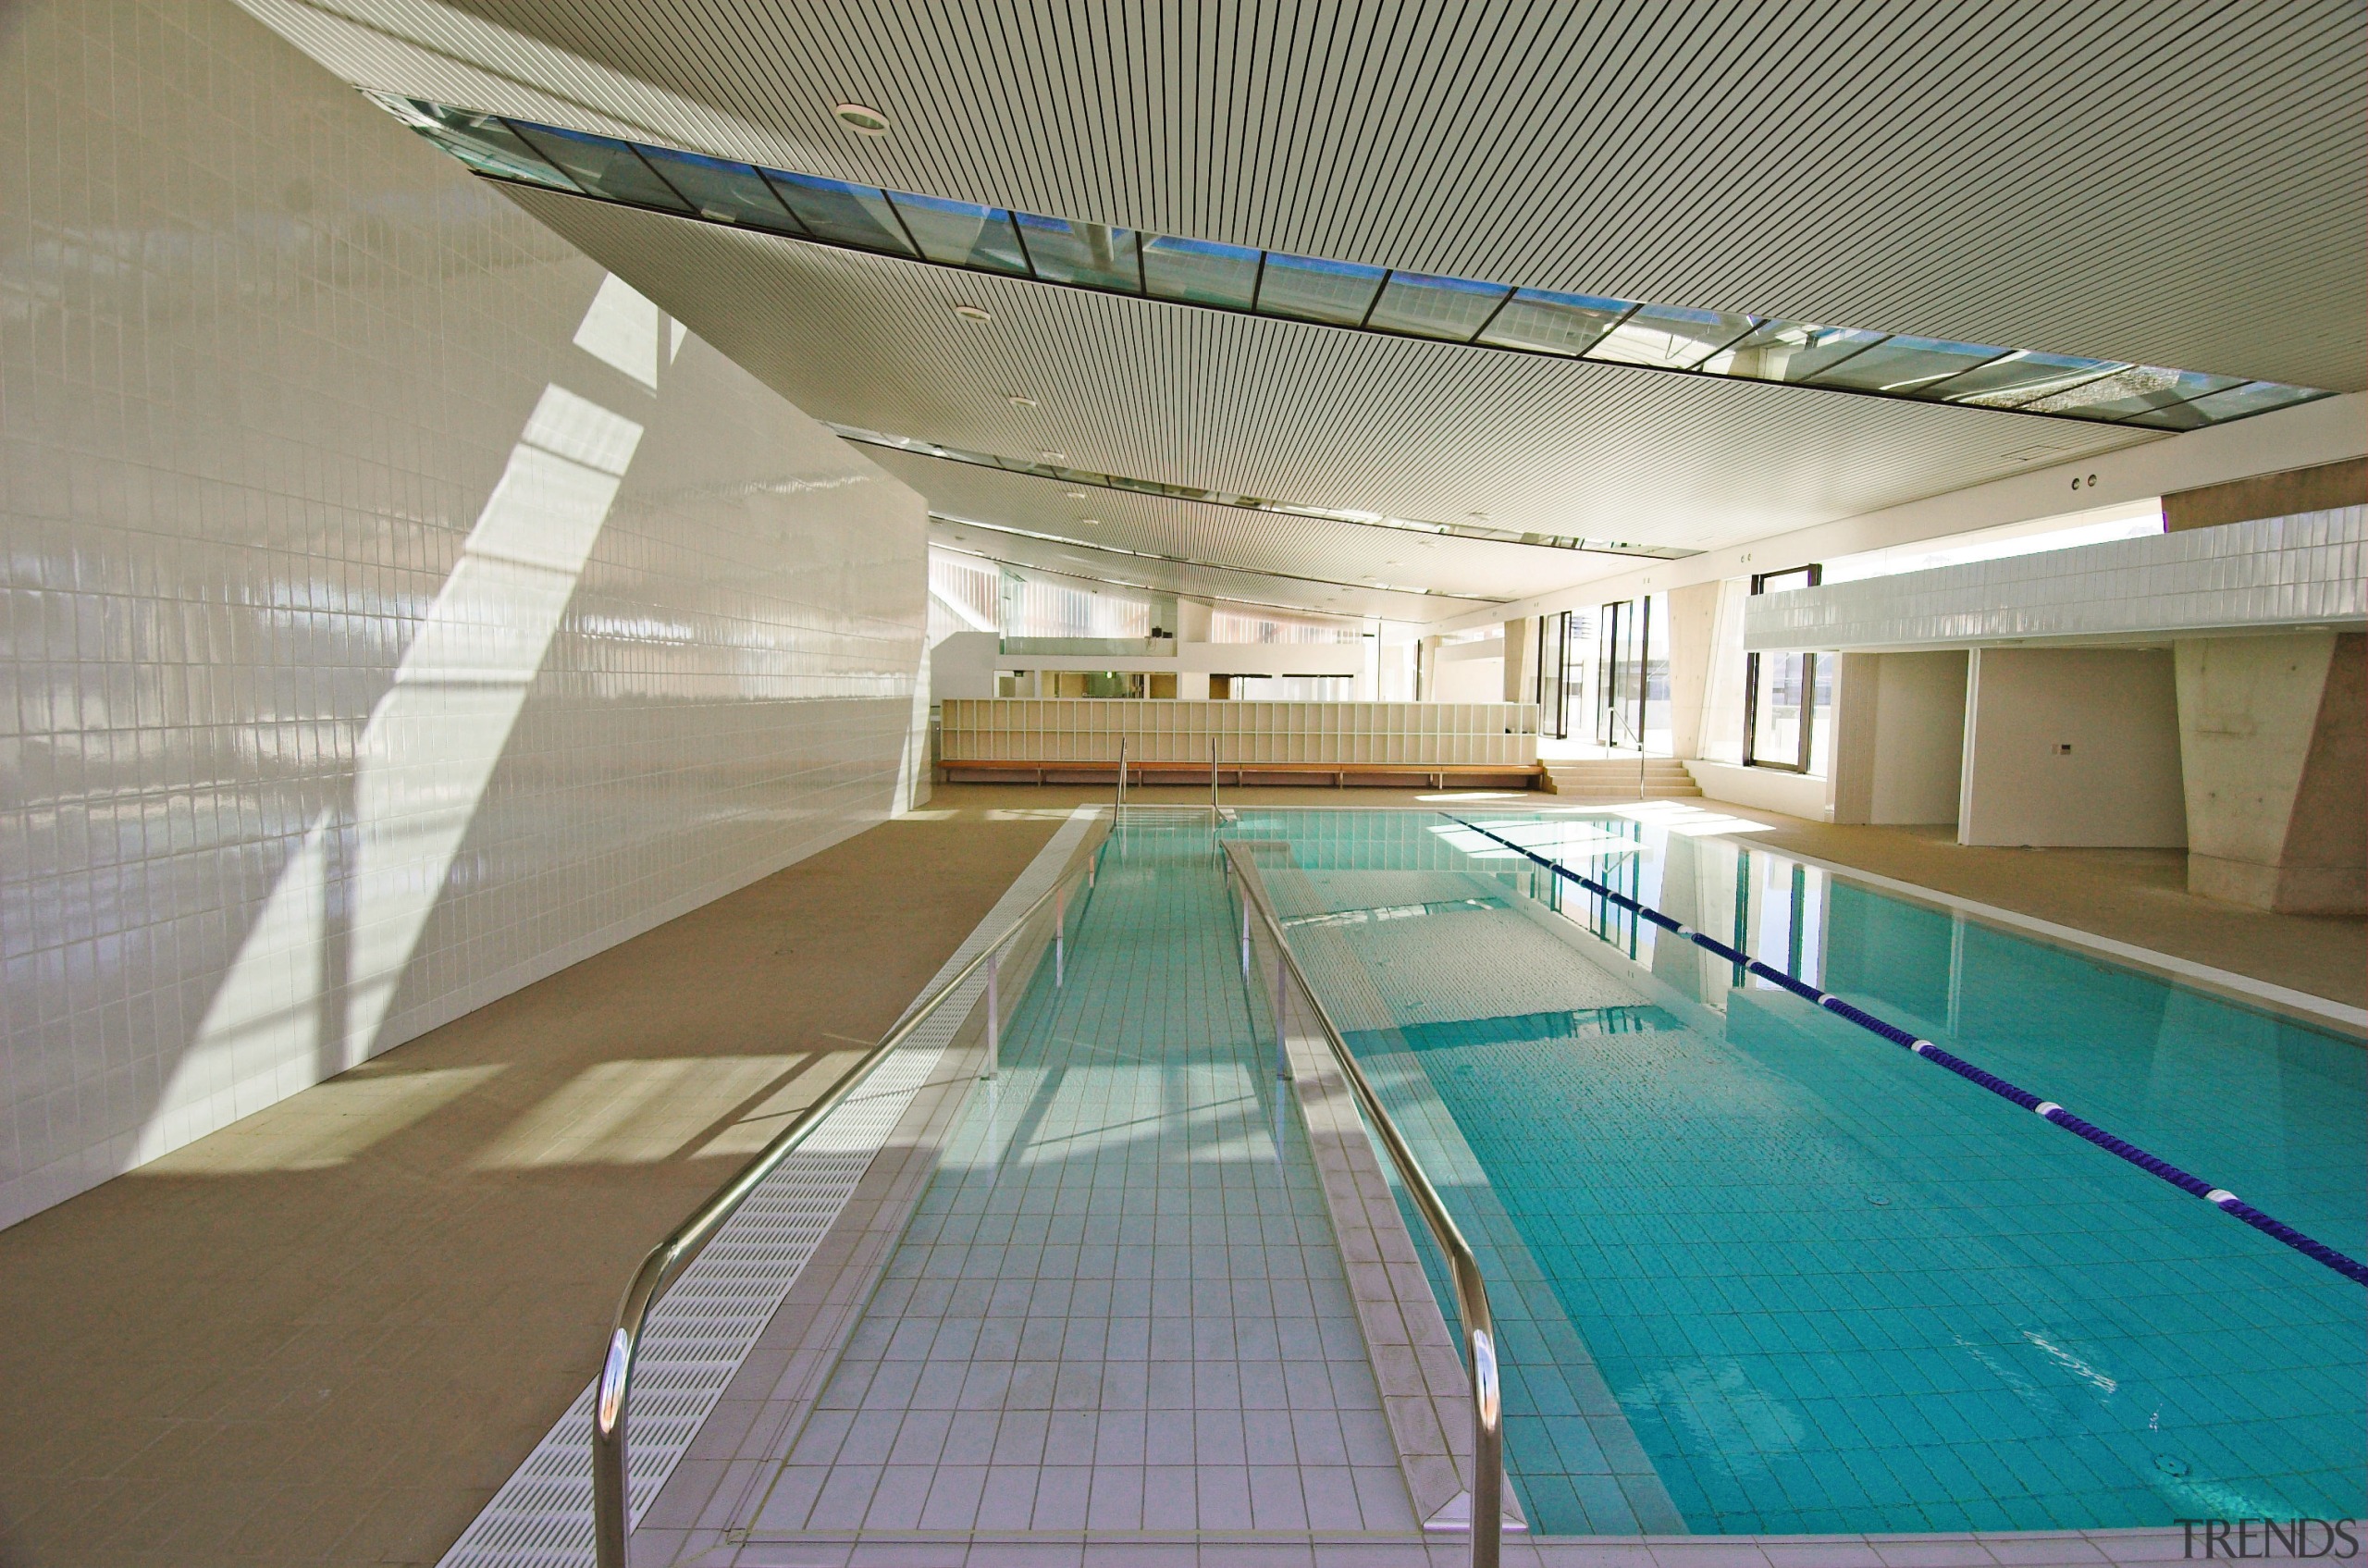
<point x="1487" y="1452"/>
<point x="1121" y="811"/>
<point x="1282" y="994"/>
<point x="1061" y="936"/>
<point x="994" y="1022"/>
<point x="1212" y="778"/>
<point x="1245" y="931"/>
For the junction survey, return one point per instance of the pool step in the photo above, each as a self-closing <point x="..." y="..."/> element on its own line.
<point x="1614" y="778"/>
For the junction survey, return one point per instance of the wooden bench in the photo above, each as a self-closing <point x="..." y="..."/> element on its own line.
<point x="1336" y="775"/>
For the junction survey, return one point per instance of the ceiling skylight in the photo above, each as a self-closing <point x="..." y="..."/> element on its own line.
<point x="1073" y="254"/>
<point x="1051" y="468"/>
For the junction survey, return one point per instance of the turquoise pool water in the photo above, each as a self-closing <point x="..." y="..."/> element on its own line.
<point x="1831" y="1287"/>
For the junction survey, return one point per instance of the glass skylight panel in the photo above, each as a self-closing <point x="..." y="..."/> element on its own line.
<point x="1092" y="255"/>
<point x="1435" y="308"/>
<point x="962" y="233"/>
<point x="1201" y="272"/>
<point x="851" y="215"/>
<point x="481" y="142"/>
<point x="603" y="167"/>
<point x="1789" y="351"/>
<point x="1553" y="324"/>
<point x="1311" y="289"/>
<point x="2233" y="403"/>
<point x="2138" y="390"/>
<point x="723" y="191"/>
<point x="1669" y="337"/>
<point x="1902" y="365"/>
<point x="2018" y="379"/>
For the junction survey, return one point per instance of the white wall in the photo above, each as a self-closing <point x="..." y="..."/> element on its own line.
<point x="1767" y="789"/>
<point x="1466" y="680"/>
<point x="398" y="610"/>
<point x="1899" y="745"/>
<point x="2118" y="786"/>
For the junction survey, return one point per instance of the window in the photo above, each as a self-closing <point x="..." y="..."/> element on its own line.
<point x="1313" y="290"/>
<point x="1559" y="640"/>
<point x="1435" y="308"/>
<point x="1632" y="675"/>
<point x="962" y="233"/>
<point x="604" y="167"/>
<point x="858" y="215"/>
<point x="1783" y="693"/>
<point x="723" y="193"/>
<point x="1092" y="255"/>
<point x="1198" y="273"/>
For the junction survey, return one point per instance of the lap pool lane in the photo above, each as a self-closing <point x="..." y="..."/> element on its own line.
<point x="1836" y="1290"/>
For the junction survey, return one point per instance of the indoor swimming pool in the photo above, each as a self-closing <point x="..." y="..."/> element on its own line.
<point x="1830" y="1286"/>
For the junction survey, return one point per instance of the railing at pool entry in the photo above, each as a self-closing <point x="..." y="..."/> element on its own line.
<point x="2195" y="1186"/>
<point x="1487" y="1489"/>
<point x="611" y="1507"/>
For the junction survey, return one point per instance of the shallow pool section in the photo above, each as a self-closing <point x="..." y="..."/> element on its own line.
<point x="1831" y="1287"/>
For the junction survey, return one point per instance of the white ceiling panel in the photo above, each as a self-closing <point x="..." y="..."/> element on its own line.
<point x="2179" y="182"/>
<point x="1298" y="411"/>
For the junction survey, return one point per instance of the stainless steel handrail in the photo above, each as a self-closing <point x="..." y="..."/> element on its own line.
<point x="611" y="1523"/>
<point x="1471" y="1290"/>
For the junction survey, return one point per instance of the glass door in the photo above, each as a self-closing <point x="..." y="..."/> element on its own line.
<point x="1556" y="659"/>
<point x="1780" y="693"/>
<point x="1620" y="673"/>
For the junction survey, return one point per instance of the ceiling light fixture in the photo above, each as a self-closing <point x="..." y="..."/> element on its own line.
<point x="1090" y="521"/>
<point x="1019" y="399"/>
<point x="862" y="119"/>
<point x="1053" y="456"/>
<point x="1077" y="494"/>
<point x="974" y="313"/>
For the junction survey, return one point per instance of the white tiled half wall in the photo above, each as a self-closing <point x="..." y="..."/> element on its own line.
<point x="398" y="608"/>
<point x="2272" y="572"/>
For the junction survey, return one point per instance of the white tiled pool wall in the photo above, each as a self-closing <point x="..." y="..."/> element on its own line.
<point x="289" y="404"/>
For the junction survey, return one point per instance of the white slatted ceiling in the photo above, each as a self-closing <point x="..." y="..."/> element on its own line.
<point x="2180" y="183"/>
<point x="1296" y="412"/>
<point x="2176" y="183"/>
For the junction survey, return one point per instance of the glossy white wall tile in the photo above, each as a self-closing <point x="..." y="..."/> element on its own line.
<point x="2268" y="572"/>
<point x="397" y="608"/>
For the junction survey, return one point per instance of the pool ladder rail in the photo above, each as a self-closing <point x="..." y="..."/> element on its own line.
<point x="611" y="1519"/>
<point x="1487" y="1491"/>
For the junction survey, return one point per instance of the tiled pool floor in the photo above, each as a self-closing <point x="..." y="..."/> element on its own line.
<point x="1119" y="1305"/>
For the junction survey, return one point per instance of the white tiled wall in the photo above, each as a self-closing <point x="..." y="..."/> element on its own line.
<point x="397" y="609"/>
<point x="2271" y="572"/>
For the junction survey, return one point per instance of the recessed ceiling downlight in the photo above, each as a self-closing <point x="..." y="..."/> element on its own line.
<point x="1019" y="399"/>
<point x="974" y="313"/>
<point x="1090" y="521"/>
<point x="1075" y="495"/>
<point x="861" y="118"/>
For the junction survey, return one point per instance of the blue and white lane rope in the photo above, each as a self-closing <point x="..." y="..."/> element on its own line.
<point x="2219" y="1197"/>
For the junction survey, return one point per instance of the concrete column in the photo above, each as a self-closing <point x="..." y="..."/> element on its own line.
<point x="1857" y="718"/>
<point x="1521" y="660"/>
<point x="2273" y="747"/>
<point x="1693" y="625"/>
